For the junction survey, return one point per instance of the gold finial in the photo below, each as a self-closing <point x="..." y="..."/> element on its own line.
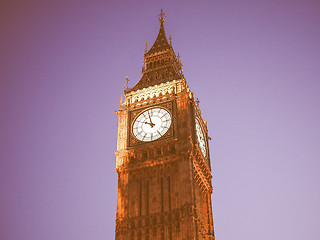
<point x="180" y="66"/>
<point x="127" y="81"/>
<point x="146" y="48"/>
<point x="162" y="15"/>
<point x="170" y="39"/>
<point x="198" y="102"/>
<point x="144" y="65"/>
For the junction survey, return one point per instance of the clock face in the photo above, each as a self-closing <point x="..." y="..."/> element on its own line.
<point x="201" y="139"/>
<point x="151" y="124"/>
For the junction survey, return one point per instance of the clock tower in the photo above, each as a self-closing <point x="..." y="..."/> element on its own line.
<point x="163" y="160"/>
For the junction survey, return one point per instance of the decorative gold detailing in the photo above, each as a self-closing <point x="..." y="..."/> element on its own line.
<point x="144" y="66"/>
<point x="157" y="59"/>
<point x="162" y="15"/>
<point x="146" y="48"/>
<point x="166" y="105"/>
<point x="156" y="76"/>
<point x="202" y="172"/>
<point x="158" y="163"/>
<point x="171" y="87"/>
<point x="197" y="102"/>
<point x="164" y="186"/>
<point x="180" y="67"/>
<point x="198" y="111"/>
<point x="127" y="81"/>
<point x="121" y="103"/>
<point x="179" y="214"/>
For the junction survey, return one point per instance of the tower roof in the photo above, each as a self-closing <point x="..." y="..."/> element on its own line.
<point x="161" y="42"/>
<point x="160" y="62"/>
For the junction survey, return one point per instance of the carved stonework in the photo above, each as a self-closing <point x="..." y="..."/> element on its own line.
<point x="171" y="87"/>
<point x="164" y="185"/>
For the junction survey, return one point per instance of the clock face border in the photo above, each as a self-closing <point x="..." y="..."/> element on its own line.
<point x="197" y="119"/>
<point x="158" y="133"/>
<point x="134" y="114"/>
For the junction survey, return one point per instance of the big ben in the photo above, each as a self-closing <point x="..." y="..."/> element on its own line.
<point x="162" y="157"/>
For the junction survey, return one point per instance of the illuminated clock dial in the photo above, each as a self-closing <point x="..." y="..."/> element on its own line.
<point x="151" y="124"/>
<point x="201" y="139"/>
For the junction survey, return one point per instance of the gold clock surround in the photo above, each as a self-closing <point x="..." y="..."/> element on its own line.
<point x="168" y="106"/>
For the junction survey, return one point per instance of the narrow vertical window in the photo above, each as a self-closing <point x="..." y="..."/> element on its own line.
<point x="147" y="197"/>
<point x="140" y="198"/>
<point x="161" y="194"/>
<point x="208" y="210"/>
<point x="169" y="198"/>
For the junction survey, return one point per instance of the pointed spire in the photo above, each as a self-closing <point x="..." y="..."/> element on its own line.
<point x="161" y="43"/>
<point x="160" y="63"/>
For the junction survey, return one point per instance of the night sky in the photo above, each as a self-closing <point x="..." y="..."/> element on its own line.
<point x="254" y="65"/>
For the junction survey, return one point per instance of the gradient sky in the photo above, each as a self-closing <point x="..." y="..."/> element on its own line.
<point x="254" y="65"/>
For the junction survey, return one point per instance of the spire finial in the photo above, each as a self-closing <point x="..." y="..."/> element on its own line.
<point x="170" y="39"/>
<point x="146" y="48"/>
<point x="162" y="15"/>
<point x="180" y="65"/>
<point x="127" y="81"/>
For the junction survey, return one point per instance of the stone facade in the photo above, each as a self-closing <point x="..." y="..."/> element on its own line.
<point x="164" y="186"/>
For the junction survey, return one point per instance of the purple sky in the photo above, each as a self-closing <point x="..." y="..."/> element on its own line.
<point x="254" y="65"/>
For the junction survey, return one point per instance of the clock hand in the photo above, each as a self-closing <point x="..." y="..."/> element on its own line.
<point x="151" y="123"/>
<point x="149" y="116"/>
